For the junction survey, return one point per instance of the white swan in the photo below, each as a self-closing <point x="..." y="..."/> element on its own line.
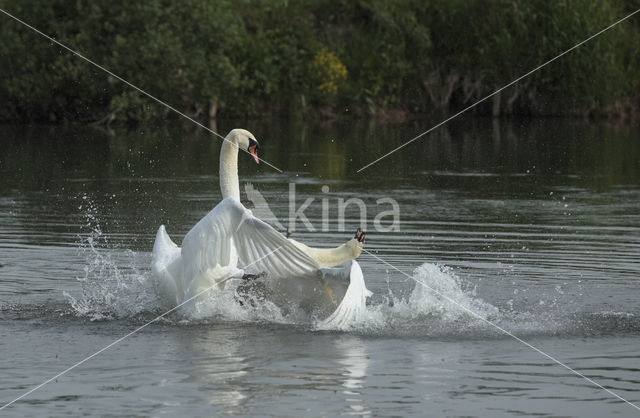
<point x="295" y="273"/>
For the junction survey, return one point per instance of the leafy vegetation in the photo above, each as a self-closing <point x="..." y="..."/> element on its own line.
<point x="315" y="58"/>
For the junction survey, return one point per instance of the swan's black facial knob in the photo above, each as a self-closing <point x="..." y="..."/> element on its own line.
<point x="253" y="149"/>
<point x="359" y="235"/>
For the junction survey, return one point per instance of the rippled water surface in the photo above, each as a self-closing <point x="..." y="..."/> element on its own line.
<point x="533" y="225"/>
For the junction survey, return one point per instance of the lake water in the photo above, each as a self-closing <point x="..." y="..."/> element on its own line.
<point x="532" y="224"/>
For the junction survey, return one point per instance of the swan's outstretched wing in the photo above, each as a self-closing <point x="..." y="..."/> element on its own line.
<point x="230" y="231"/>
<point x="294" y="277"/>
<point x="263" y="249"/>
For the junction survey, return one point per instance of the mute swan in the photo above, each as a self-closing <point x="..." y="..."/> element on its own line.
<point x="228" y="234"/>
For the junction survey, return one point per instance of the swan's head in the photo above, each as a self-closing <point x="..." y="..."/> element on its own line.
<point x="245" y="140"/>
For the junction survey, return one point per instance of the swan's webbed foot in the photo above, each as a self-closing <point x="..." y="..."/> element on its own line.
<point x="252" y="277"/>
<point x="359" y="236"/>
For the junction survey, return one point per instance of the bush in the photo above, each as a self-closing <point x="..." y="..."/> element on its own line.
<point x="261" y="57"/>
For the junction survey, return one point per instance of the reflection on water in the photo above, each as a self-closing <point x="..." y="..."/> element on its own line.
<point x="593" y="155"/>
<point x="217" y="365"/>
<point x="352" y="355"/>
<point x="537" y="220"/>
<point x="241" y="367"/>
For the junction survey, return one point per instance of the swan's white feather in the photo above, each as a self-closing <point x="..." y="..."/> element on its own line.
<point x="166" y="266"/>
<point x="353" y="305"/>
<point x="230" y="233"/>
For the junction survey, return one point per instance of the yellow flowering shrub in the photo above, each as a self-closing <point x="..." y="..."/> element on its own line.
<point x="329" y="70"/>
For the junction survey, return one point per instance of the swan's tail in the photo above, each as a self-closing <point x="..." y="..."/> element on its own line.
<point x="166" y="266"/>
<point x="353" y="305"/>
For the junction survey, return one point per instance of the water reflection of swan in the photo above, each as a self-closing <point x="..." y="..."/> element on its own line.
<point x="217" y="365"/>
<point x="224" y="370"/>
<point x="230" y="233"/>
<point x="351" y="354"/>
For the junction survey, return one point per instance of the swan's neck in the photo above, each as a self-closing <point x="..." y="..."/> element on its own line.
<point x="229" y="184"/>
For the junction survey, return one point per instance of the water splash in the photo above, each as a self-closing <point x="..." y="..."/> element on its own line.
<point x="117" y="284"/>
<point x="229" y="306"/>
<point x="425" y="311"/>
<point x="112" y="285"/>
<point x="452" y="302"/>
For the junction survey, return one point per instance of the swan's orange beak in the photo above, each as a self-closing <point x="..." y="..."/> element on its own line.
<point x="253" y="150"/>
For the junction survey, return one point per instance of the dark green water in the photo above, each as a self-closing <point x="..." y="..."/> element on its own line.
<point x="534" y="224"/>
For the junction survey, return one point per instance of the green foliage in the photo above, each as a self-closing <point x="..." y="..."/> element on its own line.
<point x="260" y="57"/>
